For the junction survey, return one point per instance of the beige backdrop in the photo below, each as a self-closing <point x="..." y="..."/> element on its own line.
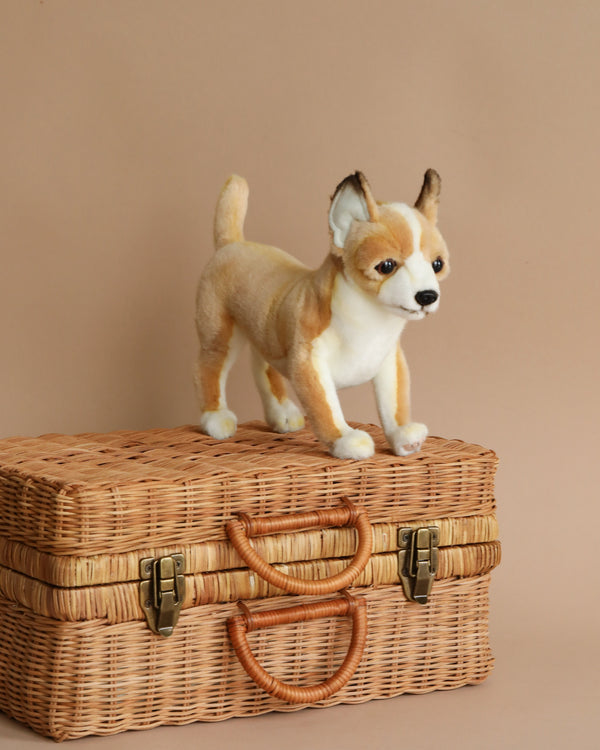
<point x="120" y="121"/>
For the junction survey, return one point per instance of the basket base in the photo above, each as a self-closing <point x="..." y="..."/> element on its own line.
<point x="72" y="679"/>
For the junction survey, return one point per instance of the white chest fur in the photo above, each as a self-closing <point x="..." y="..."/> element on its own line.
<point x="359" y="336"/>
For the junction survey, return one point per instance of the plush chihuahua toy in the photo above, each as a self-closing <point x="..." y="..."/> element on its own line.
<point x="325" y="329"/>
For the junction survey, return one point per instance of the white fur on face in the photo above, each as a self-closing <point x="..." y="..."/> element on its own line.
<point x="413" y="222"/>
<point x="415" y="275"/>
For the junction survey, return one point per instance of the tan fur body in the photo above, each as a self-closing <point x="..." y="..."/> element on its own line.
<point x="321" y="329"/>
<point x="265" y="287"/>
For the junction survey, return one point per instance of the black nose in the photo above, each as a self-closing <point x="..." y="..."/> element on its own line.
<point x="426" y="297"/>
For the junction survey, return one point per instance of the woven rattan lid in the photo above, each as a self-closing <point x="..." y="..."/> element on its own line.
<point x="115" y="492"/>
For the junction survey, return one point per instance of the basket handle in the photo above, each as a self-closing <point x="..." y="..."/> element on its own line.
<point x="240" y="530"/>
<point x="239" y="625"/>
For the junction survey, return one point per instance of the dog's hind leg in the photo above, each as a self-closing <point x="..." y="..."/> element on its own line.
<point x="218" y="351"/>
<point x="281" y="413"/>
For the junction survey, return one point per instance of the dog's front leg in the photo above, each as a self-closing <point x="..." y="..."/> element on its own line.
<point x="392" y="392"/>
<point x="317" y="393"/>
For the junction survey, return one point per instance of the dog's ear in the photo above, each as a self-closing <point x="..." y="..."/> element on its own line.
<point x="351" y="201"/>
<point x="429" y="197"/>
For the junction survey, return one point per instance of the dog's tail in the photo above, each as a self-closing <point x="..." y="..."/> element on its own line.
<point x="231" y="212"/>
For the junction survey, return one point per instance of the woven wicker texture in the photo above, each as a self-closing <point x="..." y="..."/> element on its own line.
<point x="120" y="602"/>
<point x="96" y="494"/>
<point x="71" y="571"/>
<point x="72" y="679"/>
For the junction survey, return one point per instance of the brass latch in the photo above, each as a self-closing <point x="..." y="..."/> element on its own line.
<point x="418" y="561"/>
<point x="162" y="590"/>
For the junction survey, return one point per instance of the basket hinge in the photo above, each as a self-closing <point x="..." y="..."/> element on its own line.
<point x="162" y="590"/>
<point x="418" y="561"/>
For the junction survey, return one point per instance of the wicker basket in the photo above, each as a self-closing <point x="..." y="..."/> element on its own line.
<point x="123" y="558"/>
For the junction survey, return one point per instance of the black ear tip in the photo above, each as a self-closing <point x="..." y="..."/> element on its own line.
<point x="356" y="180"/>
<point x="432" y="177"/>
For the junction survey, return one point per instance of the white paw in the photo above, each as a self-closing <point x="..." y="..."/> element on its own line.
<point x="408" y="438"/>
<point x="285" y="417"/>
<point x="355" y="444"/>
<point x="218" y="424"/>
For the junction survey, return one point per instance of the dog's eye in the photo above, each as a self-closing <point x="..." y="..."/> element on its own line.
<point x="437" y="265"/>
<point x="386" y="266"/>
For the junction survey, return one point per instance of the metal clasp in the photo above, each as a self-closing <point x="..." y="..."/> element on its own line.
<point x="162" y="590"/>
<point x="418" y="558"/>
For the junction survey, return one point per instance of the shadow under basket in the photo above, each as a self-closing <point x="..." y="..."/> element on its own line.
<point x="162" y="577"/>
